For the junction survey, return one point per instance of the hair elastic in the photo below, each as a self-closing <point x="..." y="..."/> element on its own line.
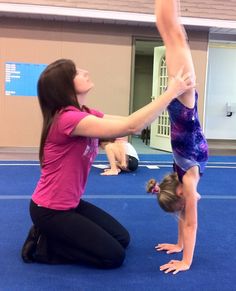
<point x="156" y="189"/>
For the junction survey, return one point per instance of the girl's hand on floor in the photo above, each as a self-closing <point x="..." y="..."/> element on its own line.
<point x="174" y="266"/>
<point x="170" y="248"/>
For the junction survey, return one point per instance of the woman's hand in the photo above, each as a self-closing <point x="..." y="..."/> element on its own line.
<point x="170" y="248"/>
<point x="180" y="83"/>
<point x="174" y="266"/>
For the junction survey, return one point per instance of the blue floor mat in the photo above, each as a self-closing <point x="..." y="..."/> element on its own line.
<point x="125" y="198"/>
<point x="213" y="267"/>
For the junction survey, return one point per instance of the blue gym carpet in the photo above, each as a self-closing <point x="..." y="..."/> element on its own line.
<point x="124" y="197"/>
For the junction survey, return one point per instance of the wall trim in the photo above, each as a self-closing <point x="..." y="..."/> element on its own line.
<point x="79" y="14"/>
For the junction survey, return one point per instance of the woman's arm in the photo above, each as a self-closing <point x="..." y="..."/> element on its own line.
<point x="93" y="126"/>
<point x="113" y="117"/>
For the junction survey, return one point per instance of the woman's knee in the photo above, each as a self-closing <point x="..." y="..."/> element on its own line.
<point x="117" y="253"/>
<point x="115" y="260"/>
<point x="126" y="239"/>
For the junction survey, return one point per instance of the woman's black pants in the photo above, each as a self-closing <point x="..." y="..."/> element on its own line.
<point x="85" y="235"/>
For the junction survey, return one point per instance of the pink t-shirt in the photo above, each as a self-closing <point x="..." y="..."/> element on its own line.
<point x="67" y="162"/>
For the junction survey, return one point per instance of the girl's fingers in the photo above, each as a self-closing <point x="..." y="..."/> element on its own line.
<point x="184" y="76"/>
<point x="189" y="82"/>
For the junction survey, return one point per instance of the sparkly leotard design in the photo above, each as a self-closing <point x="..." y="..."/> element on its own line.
<point x="188" y="142"/>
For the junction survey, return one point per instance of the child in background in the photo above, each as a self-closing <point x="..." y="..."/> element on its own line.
<point x="121" y="155"/>
<point x="178" y="191"/>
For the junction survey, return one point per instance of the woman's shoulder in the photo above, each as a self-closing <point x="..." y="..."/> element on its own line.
<point x="82" y="112"/>
<point x="69" y="108"/>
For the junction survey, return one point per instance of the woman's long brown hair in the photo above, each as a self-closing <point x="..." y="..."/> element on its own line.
<point x="55" y="91"/>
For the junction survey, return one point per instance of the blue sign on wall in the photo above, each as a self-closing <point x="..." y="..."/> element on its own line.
<point x="21" y="78"/>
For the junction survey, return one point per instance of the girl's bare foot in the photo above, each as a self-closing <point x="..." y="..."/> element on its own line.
<point x="111" y="172"/>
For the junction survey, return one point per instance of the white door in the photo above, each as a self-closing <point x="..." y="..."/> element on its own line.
<point x="160" y="128"/>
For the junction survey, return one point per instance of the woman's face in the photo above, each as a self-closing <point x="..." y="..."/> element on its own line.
<point x="82" y="82"/>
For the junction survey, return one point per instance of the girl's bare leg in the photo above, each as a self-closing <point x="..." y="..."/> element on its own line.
<point x="122" y="159"/>
<point x="112" y="153"/>
<point x="177" y="49"/>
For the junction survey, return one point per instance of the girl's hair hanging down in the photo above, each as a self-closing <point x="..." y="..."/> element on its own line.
<point x="166" y="194"/>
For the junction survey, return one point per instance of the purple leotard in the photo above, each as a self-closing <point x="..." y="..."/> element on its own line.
<point x="188" y="142"/>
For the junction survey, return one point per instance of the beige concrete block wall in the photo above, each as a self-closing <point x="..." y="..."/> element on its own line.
<point x="105" y="55"/>
<point x="198" y="42"/>
<point x="105" y="51"/>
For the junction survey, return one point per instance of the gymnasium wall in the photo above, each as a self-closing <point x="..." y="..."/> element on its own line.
<point x="107" y="57"/>
<point x="105" y="51"/>
<point x="198" y="41"/>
